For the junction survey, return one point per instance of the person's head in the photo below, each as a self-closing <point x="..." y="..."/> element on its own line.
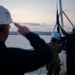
<point x="5" y="20"/>
<point x="55" y="37"/>
<point x="73" y="31"/>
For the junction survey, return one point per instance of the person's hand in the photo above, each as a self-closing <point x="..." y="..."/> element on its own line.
<point x="22" y="29"/>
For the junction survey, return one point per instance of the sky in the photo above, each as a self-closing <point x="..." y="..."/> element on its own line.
<point x="38" y="11"/>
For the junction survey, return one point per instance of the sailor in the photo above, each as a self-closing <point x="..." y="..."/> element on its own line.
<point x="54" y="65"/>
<point x="17" y="61"/>
<point x="70" y="50"/>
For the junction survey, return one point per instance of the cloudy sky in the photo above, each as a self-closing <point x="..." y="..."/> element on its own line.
<point x="38" y="11"/>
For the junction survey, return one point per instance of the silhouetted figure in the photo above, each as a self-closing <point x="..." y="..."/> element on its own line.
<point x="54" y="66"/>
<point x="70" y="50"/>
<point x="17" y="61"/>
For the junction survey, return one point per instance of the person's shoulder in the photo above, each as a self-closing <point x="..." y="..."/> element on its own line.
<point x="14" y="49"/>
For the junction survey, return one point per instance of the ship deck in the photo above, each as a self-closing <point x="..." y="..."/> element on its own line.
<point x="41" y="71"/>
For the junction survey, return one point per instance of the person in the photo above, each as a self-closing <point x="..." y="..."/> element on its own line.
<point x="70" y="50"/>
<point x="54" y="65"/>
<point x="17" y="61"/>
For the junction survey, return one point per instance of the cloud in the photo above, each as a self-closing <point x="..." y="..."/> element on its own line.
<point x="40" y="27"/>
<point x="33" y="24"/>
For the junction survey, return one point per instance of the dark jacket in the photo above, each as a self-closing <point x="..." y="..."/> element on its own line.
<point x="70" y="44"/>
<point x="16" y="61"/>
<point x="70" y="51"/>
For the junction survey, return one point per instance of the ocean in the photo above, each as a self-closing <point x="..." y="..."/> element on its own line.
<point x="22" y="42"/>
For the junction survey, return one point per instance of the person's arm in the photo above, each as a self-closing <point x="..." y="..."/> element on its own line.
<point x="59" y="48"/>
<point x="34" y="59"/>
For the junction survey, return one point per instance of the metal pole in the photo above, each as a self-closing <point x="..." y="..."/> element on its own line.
<point x="53" y="31"/>
<point x="61" y="16"/>
<point x="67" y="18"/>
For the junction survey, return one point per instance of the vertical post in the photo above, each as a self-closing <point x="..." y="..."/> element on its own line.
<point x="61" y="14"/>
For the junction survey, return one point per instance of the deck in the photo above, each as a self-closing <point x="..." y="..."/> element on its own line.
<point x="41" y="71"/>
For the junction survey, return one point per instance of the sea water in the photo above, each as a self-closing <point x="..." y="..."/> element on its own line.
<point x="22" y="42"/>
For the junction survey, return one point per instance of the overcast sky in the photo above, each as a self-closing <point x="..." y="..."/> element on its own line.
<point x="38" y="11"/>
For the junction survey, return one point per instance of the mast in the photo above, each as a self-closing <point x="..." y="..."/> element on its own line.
<point x="61" y="14"/>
